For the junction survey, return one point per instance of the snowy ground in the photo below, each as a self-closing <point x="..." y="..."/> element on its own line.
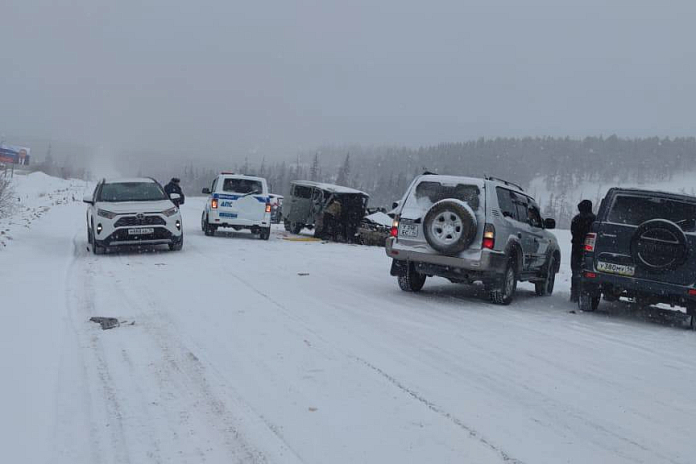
<point x="287" y="352"/>
<point x="33" y="195"/>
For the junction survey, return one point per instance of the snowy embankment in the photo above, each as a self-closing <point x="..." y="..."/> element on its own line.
<point x="285" y="351"/>
<point x="33" y="195"/>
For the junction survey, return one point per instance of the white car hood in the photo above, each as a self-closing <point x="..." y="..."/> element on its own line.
<point x="135" y="206"/>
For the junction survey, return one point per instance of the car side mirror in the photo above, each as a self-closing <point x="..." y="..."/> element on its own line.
<point x="396" y="204"/>
<point x="88" y="199"/>
<point x="174" y="196"/>
<point x="206" y="191"/>
<point x="549" y="223"/>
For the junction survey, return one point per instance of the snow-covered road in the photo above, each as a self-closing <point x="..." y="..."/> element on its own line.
<point x="283" y="352"/>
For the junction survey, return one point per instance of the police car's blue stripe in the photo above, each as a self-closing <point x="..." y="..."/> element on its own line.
<point x="224" y="196"/>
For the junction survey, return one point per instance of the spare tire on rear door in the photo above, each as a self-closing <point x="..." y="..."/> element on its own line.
<point x="659" y="245"/>
<point x="450" y="226"/>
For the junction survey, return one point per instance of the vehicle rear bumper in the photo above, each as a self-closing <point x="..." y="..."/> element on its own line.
<point x="660" y="291"/>
<point x="486" y="262"/>
<point x="221" y="220"/>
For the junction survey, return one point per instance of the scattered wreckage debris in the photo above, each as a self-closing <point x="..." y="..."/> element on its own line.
<point x="109" y="322"/>
<point x="302" y="239"/>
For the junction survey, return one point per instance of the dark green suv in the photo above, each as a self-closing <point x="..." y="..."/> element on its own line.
<point x="642" y="246"/>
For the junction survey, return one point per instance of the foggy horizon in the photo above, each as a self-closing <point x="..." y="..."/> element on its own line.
<point x="173" y="76"/>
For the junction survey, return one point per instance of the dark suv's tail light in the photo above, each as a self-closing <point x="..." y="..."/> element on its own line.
<point x="590" y="241"/>
<point x="489" y="236"/>
<point x="394" y="232"/>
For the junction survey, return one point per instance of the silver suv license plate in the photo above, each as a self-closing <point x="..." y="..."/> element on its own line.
<point x="616" y="268"/>
<point x="408" y="230"/>
<point x="141" y="231"/>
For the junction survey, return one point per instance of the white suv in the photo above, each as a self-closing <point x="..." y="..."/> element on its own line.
<point x="239" y="202"/>
<point x="128" y="212"/>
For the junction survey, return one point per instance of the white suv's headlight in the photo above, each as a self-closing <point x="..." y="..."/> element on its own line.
<point x="106" y="214"/>
<point x="170" y="212"/>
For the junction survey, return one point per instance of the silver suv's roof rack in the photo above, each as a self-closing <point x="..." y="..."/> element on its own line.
<point x="504" y="182"/>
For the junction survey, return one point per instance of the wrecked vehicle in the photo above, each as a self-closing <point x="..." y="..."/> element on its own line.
<point x="375" y="229"/>
<point x="332" y="211"/>
<point x="276" y="208"/>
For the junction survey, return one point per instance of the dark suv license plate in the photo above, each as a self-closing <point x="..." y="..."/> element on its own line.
<point x="619" y="269"/>
<point x="141" y="231"/>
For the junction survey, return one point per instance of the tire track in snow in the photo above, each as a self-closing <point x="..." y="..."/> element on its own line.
<point x="436" y="409"/>
<point x="82" y="304"/>
<point x="186" y="371"/>
<point x="473" y="433"/>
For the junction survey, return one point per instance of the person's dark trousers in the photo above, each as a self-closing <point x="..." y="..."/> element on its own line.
<point x="576" y="267"/>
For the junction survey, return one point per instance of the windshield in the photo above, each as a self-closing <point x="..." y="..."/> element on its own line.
<point x="634" y="210"/>
<point x="428" y="193"/>
<point x="243" y="186"/>
<point x="131" y="191"/>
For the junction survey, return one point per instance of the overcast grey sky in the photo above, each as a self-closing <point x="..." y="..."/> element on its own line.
<point x="275" y="77"/>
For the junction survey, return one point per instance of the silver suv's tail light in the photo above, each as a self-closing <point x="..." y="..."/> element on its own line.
<point x="489" y="236"/>
<point x="394" y="232"/>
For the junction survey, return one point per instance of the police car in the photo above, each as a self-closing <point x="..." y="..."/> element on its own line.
<point x="239" y="202"/>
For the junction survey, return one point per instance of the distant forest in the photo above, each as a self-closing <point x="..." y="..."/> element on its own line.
<point x="385" y="172"/>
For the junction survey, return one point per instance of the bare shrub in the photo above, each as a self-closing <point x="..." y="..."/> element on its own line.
<point x="6" y="197"/>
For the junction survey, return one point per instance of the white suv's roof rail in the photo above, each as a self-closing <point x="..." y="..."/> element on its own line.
<point x="506" y="182"/>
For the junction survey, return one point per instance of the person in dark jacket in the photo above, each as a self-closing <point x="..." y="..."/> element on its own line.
<point x="579" y="228"/>
<point x="174" y="187"/>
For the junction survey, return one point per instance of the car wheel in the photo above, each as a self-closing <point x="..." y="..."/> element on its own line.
<point x="411" y="280"/>
<point x="587" y="301"/>
<point x="178" y="245"/>
<point x="545" y="287"/>
<point x="265" y="233"/>
<point x="97" y="249"/>
<point x="296" y="228"/>
<point x="208" y="228"/>
<point x="504" y="290"/>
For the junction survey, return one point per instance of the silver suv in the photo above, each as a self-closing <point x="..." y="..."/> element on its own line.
<point x="468" y="230"/>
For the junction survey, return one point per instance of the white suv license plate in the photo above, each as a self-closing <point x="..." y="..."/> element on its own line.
<point x="616" y="268"/>
<point x="408" y="230"/>
<point x="141" y="231"/>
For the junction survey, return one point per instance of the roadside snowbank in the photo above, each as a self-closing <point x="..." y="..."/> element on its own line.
<point x="33" y="195"/>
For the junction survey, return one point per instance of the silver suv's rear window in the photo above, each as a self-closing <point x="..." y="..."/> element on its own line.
<point x="428" y="193"/>
<point x="635" y="210"/>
